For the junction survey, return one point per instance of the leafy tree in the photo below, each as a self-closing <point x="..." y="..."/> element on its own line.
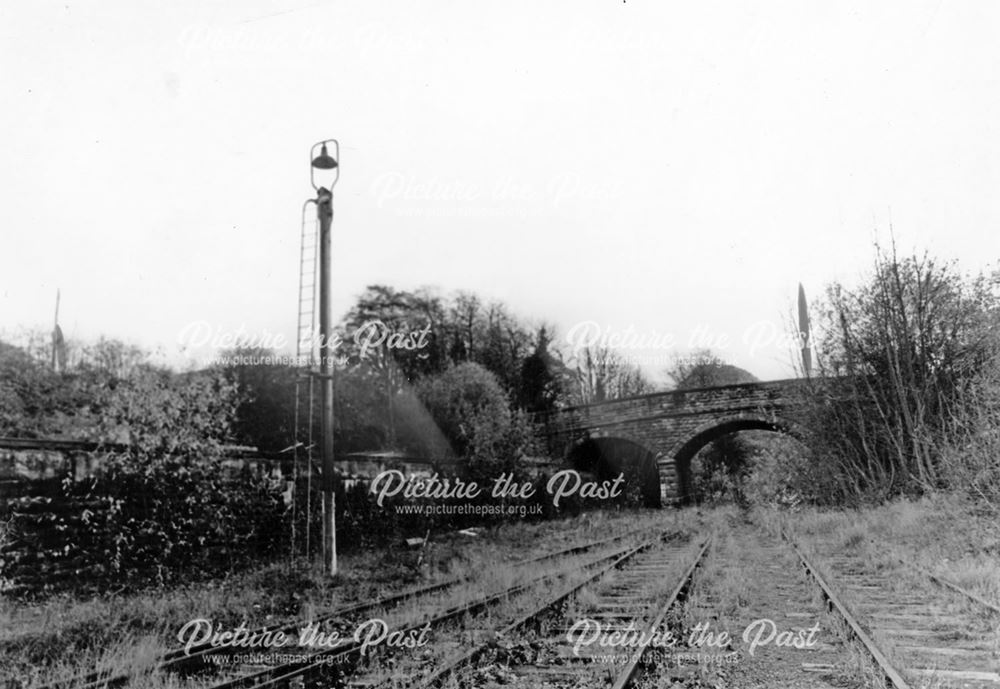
<point x="264" y="415"/>
<point x="437" y="333"/>
<point x="473" y="413"/>
<point x="371" y="332"/>
<point x="361" y="415"/>
<point x="540" y="383"/>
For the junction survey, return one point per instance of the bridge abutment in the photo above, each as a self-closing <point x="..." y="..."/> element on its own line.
<point x="669" y="490"/>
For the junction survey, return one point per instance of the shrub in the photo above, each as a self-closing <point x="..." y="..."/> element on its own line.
<point x="162" y="503"/>
<point x="474" y="415"/>
<point x="781" y="472"/>
<point x="970" y="457"/>
<point x="899" y="357"/>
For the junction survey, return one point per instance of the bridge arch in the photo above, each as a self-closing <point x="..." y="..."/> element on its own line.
<point x="606" y="456"/>
<point x="684" y="450"/>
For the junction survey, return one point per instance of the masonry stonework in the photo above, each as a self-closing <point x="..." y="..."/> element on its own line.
<point x="674" y="425"/>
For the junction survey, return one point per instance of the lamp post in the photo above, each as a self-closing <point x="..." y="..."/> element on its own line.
<point x="330" y="167"/>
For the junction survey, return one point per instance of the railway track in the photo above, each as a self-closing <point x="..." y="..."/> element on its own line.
<point x="195" y="660"/>
<point x="594" y="614"/>
<point x="921" y="630"/>
<point x="336" y="666"/>
<point x="753" y="618"/>
<point x="551" y="644"/>
<point x="634" y="595"/>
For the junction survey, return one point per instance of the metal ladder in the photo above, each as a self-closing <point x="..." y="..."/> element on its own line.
<point x="305" y="363"/>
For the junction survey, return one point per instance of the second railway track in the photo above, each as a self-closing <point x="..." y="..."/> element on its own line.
<point x="744" y="608"/>
<point x="922" y="631"/>
<point x="552" y="642"/>
<point x="336" y="665"/>
<point x="204" y="657"/>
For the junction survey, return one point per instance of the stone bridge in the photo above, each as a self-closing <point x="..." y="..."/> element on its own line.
<point x="655" y="436"/>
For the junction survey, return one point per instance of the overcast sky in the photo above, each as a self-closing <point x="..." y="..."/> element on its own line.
<point x="674" y="167"/>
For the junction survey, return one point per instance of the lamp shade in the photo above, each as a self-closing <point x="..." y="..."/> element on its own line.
<point x="324" y="161"/>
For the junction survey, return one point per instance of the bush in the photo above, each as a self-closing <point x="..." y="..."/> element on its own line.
<point x="969" y="457"/>
<point x="900" y="357"/>
<point x="781" y="472"/>
<point x="717" y="470"/>
<point x="161" y="504"/>
<point x="474" y="415"/>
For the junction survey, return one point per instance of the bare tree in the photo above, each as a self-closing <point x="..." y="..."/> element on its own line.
<point x="601" y="373"/>
<point x="899" y="355"/>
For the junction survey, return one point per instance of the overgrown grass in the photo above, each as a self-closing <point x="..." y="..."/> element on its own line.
<point x="947" y="534"/>
<point x="65" y="636"/>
